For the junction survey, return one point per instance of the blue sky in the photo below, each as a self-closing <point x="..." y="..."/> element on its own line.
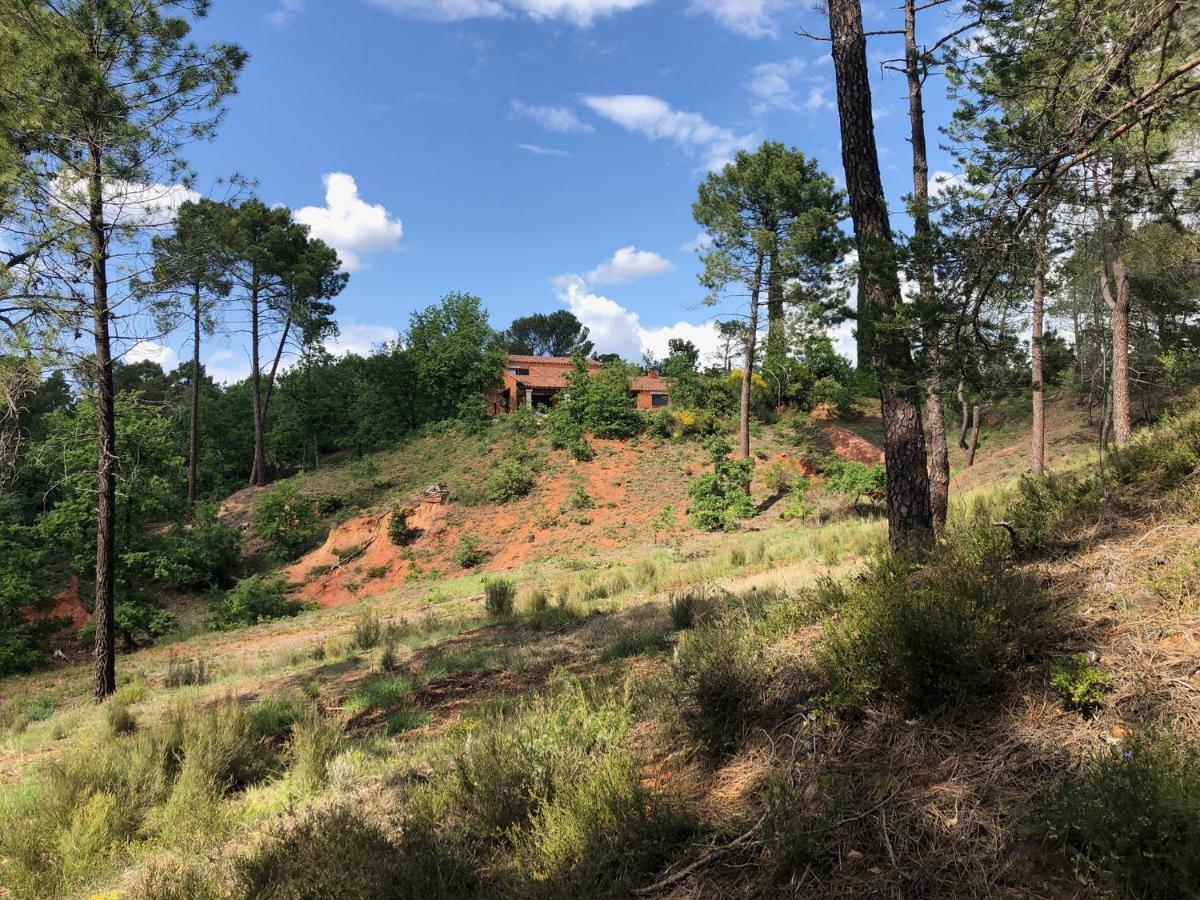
<point x="538" y="153"/>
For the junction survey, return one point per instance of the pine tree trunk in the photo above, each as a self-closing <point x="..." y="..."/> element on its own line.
<point x="194" y="423"/>
<point x="776" y="351"/>
<point x="748" y="363"/>
<point x="976" y="420"/>
<point x="909" y="514"/>
<point x="106" y="469"/>
<point x="939" y="454"/>
<point x="864" y="331"/>
<point x="1037" y="450"/>
<point x="1122" y="429"/>
<point x="258" y="474"/>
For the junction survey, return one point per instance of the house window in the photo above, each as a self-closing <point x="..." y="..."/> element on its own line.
<point x="659" y="399"/>
<point x="517" y="371"/>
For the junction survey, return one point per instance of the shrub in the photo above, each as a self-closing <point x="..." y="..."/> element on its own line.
<point x="793" y="829"/>
<point x="932" y="629"/>
<point x="563" y="430"/>
<point x="218" y="751"/>
<point x="509" y="481"/>
<point x="286" y="519"/>
<point x="388" y="661"/>
<point x="182" y="673"/>
<point x="855" y="479"/>
<point x="722" y="496"/>
<point x="498" y="596"/>
<point x="720" y="678"/>
<point x="119" y="719"/>
<point x="316" y="740"/>
<point x="202" y="554"/>
<point x="469" y="553"/>
<point x="831" y="394"/>
<point x="367" y="631"/>
<point x="1132" y="817"/>
<point x="253" y="600"/>
<point x="693" y="605"/>
<point x="400" y="532"/>
<point x="778" y="478"/>
<point x="1079" y="683"/>
<point x="327" y="852"/>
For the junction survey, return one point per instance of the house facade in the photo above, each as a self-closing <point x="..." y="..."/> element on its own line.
<point x="535" y="382"/>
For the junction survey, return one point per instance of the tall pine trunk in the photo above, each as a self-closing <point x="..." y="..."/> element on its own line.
<point x="909" y="514"/>
<point x="1122" y="429"/>
<point x="1037" y="450"/>
<point x="748" y="363"/>
<point x="939" y="453"/>
<point x="106" y="446"/>
<point x="776" y="350"/>
<point x="194" y="423"/>
<point x="258" y="474"/>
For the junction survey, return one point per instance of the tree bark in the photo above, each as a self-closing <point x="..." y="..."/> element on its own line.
<point x="106" y="468"/>
<point x="1122" y="429"/>
<point x="975" y="423"/>
<point x="776" y="351"/>
<point x="939" y="454"/>
<point x="864" y="331"/>
<point x="909" y="514"/>
<point x="258" y="474"/>
<point x="1037" y="450"/>
<point x="748" y="363"/>
<point x="194" y="423"/>
<point x="966" y="416"/>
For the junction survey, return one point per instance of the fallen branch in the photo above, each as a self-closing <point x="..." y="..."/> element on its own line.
<point x="700" y="863"/>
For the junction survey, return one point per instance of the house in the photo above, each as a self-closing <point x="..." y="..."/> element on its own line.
<point x="534" y="382"/>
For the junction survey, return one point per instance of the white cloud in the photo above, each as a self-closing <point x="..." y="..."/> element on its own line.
<point x="442" y="10"/>
<point x="284" y="13"/>
<point x="654" y="118"/>
<point x="226" y="366"/>
<point x="629" y="264"/>
<point x="349" y="224"/>
<point x="126" y="203"/>
<point x="542" y="151"/>
<point x="361" y="339"/>
<point x="153" y="352"/>
<point x="554" y="118"/>
<point x="580" y="13"/>
<point x="942" y="183"/>
<point x="753" y="18"/>
<point x="701" y="243"/>
<point x="773" y="85"/>
<point x="615" y="329"/>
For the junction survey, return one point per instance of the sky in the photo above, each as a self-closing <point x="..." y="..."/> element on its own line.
<point x="541" y="154"/>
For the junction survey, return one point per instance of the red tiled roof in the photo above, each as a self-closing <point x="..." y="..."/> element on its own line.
<point x="554" y="362"/>
<point x="650" y="383"/>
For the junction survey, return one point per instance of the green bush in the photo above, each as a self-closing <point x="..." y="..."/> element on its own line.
<point x="469" y="553"/>
<point x="286" y="519"/>
<point x="253" y="600"/>
<point x="720" y="679"/>
<point x="316" y="740"/>
<point x="930" y="629"/>
<point x="400" y="532"/>
<point x="119" y="719"/>
<point x="855" y="479"/>
<point x="22" y="589"/>
<point x="1079" y="683"/>
<point x="830" y="393"/>
<point x="367" y="631"/>
<point x="722" y="496"/>
<point x="694" y="605"/>
<point x="191" y="556"/>
<point x="509" y="481"/>
<point x="498" y="596"/>
<point x="1131" y="817"/>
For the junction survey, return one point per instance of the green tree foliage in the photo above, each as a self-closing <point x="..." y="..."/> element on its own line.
<point x="721" y="497"/>
<point x="457" y="356"/>
<point x="251" y="601"/>
<point x="22" y="590"/>
<point x="286" y="518"/>
<point x="548" y="334"/>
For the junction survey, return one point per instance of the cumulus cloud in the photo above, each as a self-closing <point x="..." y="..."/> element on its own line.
<point x="227" y="367"/>
<point x="542" y="151"/>
<point x="654" y="118"/>
<point x="580" y="13"/>
<point x="753" y="18"/>
<point x="359" y="338"/>
<point x="615" y="329"/>
<point x="553" y="118"/>
<point x="350" y="225"/>
<point x="284" y="13"/>
<point x="629" y="264"/>
<point x="701" y="243"/>
<point x="151" y="351"/>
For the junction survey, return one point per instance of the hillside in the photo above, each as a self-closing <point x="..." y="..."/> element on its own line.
<point x="663" y="712"/>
